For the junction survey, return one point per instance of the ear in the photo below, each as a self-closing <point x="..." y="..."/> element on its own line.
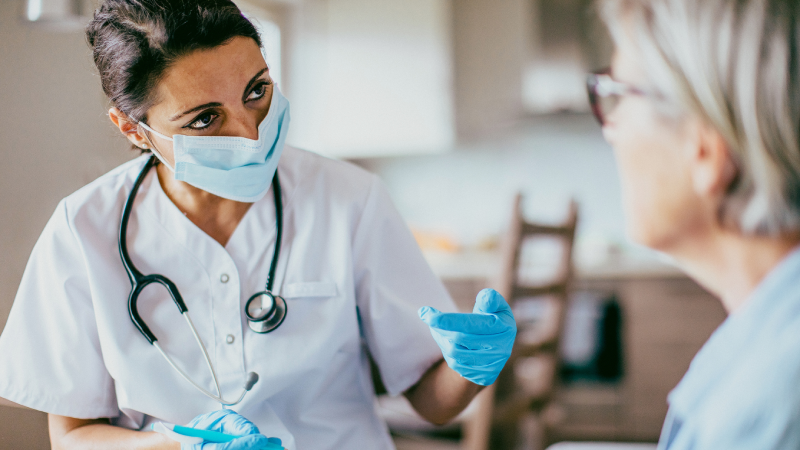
<point x="712" y="167"/>
<point x="128" y="128"/>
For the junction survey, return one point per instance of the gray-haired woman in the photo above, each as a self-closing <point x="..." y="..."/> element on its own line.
<point x="702" y="107"/>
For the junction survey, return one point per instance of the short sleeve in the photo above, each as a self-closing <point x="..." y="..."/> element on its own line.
<point x="50" y="357"/>
<point x="393" y="281"/>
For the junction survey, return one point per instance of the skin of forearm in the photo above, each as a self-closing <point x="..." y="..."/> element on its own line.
<point x="441" y="394"/>
<point x="77" y="434"/>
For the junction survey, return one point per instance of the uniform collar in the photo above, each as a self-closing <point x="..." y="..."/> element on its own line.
<point x="261" y="216"/>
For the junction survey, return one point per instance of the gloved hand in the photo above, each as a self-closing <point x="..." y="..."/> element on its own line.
<point x="229" y="422"/>
<point x="475" y="345"/>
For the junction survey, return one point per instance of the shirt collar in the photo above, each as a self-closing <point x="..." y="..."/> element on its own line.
<point x="154" y="200"/>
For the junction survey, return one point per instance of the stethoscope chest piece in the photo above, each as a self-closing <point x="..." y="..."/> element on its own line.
<point x="265" y="311"/>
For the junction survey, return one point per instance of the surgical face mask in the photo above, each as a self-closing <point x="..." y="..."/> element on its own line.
<point x="235" y="168"/>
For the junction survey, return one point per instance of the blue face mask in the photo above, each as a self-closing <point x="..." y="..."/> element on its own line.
<point x="235" y="168"/>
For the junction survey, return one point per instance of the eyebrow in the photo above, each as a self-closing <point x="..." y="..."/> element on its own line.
<point x="252" y="82"/>
<point x="217" y="104"/>
<point x="196" y="108"/>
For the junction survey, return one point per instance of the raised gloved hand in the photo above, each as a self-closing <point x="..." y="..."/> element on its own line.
<point x="230" y="422"/>
<point x="475" y="345"/>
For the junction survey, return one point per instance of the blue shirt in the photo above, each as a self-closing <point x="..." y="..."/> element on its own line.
<point x="742" y="390"/>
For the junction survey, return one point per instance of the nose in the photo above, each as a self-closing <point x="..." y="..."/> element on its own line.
<point x="243" y="123"/>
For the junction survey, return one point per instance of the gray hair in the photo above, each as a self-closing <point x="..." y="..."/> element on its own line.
<point x="735" y="64"/>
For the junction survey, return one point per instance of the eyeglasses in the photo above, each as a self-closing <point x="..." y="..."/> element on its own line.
<point x="605" y="94"/>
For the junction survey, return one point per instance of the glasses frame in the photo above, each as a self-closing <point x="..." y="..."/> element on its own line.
<point x="600" y="85"/>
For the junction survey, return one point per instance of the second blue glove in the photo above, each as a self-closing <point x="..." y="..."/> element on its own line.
<point x="228" y="422"/>
<point x="475" y="345"/>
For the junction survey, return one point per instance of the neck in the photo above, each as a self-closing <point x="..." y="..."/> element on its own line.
<point x="732" y="265"/>
<point x="216" y="216"/>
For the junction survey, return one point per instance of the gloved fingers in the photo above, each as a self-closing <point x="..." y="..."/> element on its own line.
<point x="238" y="425"/>
<point x="464" y="322"/>
<point x="489" y="301"/>
<point x="476" y="358"/>
<point x="472" y="341"/>
<point x="250" y="442"/>
<point x="427" y="313"/>
<point x="224" y="421"/>
<point x="471" y="357"/>
<point x="450" y="347"/>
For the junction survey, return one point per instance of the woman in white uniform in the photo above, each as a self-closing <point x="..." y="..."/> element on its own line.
<point x="225" y="214"/>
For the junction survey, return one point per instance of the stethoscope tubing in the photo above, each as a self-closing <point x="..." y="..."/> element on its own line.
<point x="140" y="281"/>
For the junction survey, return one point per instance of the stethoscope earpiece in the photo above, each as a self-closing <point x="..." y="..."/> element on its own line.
<point x="265" y="311"/>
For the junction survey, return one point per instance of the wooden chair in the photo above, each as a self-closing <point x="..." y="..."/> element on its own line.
<point x="529" y="379"/>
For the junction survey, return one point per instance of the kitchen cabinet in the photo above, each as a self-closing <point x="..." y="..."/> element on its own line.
<point x="666" y="320"/>
<point x="22" y="428"/>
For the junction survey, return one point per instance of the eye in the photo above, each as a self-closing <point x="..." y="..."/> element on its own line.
<point x="202" y="121"/>
<point x="258" y="91"/>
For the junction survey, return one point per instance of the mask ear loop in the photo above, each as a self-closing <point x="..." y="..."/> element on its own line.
<point x="153" y="148"/>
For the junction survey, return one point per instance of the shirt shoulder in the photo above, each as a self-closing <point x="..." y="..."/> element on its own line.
<point x="101" y="201"/>
<point x="309" y="173"/>
<point x="753" y="400"/>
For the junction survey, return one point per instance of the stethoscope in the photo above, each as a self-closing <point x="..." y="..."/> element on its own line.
<point x="264" y="310"/>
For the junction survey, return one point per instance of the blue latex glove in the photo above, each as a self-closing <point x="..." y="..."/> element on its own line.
<point x="228" y="422"/>
<point x="475" y="345"/>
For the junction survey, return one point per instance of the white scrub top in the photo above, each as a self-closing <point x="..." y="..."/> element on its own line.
<point x="350" y="270"/>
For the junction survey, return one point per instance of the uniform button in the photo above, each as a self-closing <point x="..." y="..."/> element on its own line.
<point x="224" y="278"/>
<point x="229" y="339"/>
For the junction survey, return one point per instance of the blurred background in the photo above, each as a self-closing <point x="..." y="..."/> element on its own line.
<point x="458" y="105"/>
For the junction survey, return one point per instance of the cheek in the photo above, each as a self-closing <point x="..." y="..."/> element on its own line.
<point x="655" y="189"/>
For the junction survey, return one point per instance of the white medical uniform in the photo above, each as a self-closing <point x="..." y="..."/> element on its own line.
<point x="349" y="269"/>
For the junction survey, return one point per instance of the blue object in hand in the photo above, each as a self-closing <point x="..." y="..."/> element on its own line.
<point x="475" y="345"/>
<point x="226" y="430"/>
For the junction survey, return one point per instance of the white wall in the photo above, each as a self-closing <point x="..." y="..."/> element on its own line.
<point x="54" y="135"/>
<point x="54" y="138"/>
<point x="371" y="77"/>
<point x="490" y="48"/>
<point x="467" y="194"/>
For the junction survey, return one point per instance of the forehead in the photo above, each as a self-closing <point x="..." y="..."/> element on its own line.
<point x="219" y="74"/>
<point x="628" y="63"/>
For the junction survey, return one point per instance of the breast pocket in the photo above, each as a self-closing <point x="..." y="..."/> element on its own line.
<point x="313" y="309"/>
<point x="319" y="323"/>
<point x="320" y="315"/>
